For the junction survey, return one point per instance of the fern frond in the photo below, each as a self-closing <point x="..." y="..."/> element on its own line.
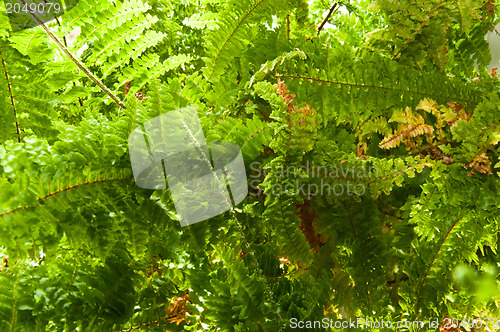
<point x="353" y="85"/>
<point x="231" y="37"/>
<point x="251" y="135"/>
<point x="82" y="14"/>
<point x="240" y="296"/>
<point x="15" y="308"/>
<point x="205" y="20"/>
<point x="121" y="38"/>
<point x="148" y="68"/>
<point x="25" y="106"/>
<point x="45" y="178"/>
<point x="133" y="50"/>
<point x="410" y="40"/>
<point x="118" y="16"/>
<point x="431" y="253"/>
<point x="405" y="132"/>
<point x="281" y="214"/>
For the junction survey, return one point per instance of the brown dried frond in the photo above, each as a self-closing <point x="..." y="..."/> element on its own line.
<point x="284" y="92"/>
<point x="307" y="109"/>
<point x="307" y="216"/>
<point x="419" y="129"/>
<point x="460" y="112"/>
<point x="490" y="7"/>
<point x="361" y="149"/>
<point x="5" y="263"/>
<point x="481" y="163"/>
<point x="404" y="132"/>
<point x="493" y="73"/>
<point x="456" y="106"/>
<point x="176" y="311"/>
<point x="140" y="95"/>
<point x="436" y="154"/>
<point x="127" y="86"/>
<point x="155" y="267"/>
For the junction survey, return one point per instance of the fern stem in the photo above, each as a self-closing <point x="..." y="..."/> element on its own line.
<point x="330" y="12"/>
<point x="288" y="26"/>
<point x="489" y="22"/>
<point x="11" y="96"/>
<point x="61" y="190"/>
<point x="78" y="63"/>
<point x="369" y="86"/>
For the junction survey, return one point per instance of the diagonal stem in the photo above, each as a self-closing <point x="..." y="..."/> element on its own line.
<point x="11" y="96"/>
<point x="330" y="12"/>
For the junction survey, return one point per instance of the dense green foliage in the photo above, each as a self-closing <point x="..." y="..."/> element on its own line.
<point x="396" y="87"/>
